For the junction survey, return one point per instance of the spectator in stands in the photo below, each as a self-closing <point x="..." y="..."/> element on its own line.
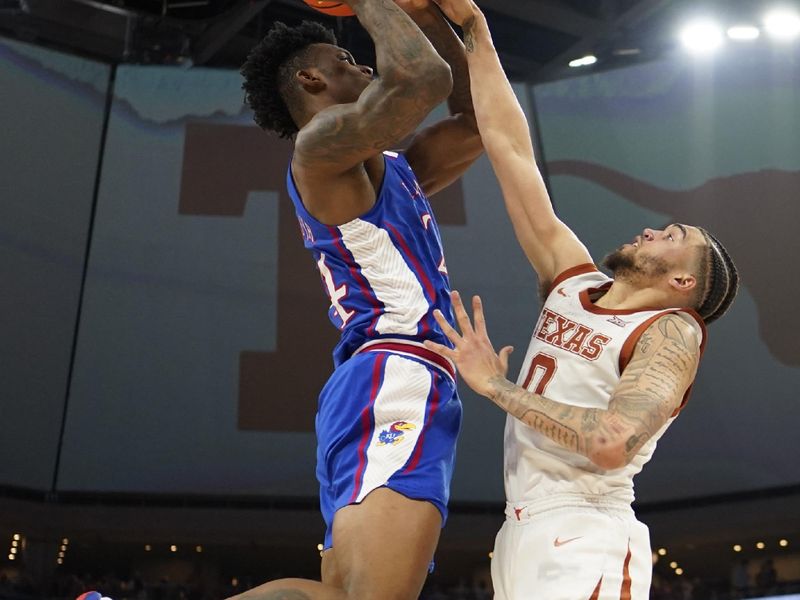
<point x="740" y="579"/>
<point x="767" y="578"/>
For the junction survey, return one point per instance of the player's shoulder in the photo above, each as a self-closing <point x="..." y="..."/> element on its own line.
<point x="680" y="327"/>
<point x="583" y="275"/>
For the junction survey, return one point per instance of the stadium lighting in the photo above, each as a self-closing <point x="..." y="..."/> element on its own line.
<point x="743" y="33"/>
<point x="782" y="24"/>
<point x="585" y="61"/>
<point x="701" y="37"/>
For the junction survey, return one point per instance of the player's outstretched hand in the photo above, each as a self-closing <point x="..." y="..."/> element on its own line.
<point x="459" y="11"/>
<point x="473" y="353"/>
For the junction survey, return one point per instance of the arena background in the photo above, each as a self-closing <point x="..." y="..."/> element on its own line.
<point x="183" y="358"/>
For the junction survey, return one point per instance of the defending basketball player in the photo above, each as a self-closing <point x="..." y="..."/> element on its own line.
<point x="609" y="367"/>
<point x="389" y="416"/>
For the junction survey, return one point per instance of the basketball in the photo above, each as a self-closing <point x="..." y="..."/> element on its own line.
<point x="333" y="8"/>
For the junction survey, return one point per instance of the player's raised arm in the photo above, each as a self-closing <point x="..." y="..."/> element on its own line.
<point x="549" y="244"/>
<point x="440" y="154"/>
<point x="650" y="391"/>
<point x="412" y="79"/>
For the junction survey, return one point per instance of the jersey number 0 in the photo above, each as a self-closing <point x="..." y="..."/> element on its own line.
<point x="543" y="367"/>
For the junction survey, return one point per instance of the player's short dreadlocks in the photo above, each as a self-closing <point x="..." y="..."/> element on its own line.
<point x="270" y="68"/>
<point x="719" y="281"/>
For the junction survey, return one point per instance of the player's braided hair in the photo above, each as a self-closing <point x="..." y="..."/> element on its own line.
<point x="269" y="72"/>
<point x="721" y="280"/>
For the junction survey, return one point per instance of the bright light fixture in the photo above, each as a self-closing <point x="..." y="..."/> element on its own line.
<point x="743" y="32"/>
<point x="782" y="24"/>
<point x="662" y="551"/>
<point x="585" y="61"/>
<point x="783" y="543"/>
<point x="701" y="37"/>
<point x="678" y="571"/>
<point x="760" y="545"/>
<point x="737" y="548"/>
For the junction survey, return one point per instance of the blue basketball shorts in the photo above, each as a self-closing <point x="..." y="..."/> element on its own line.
<point x="389" y="416"/>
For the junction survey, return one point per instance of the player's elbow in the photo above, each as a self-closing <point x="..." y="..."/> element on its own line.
<point x="429" y="81"/>
<point x="437" y="79"/>
<point x="609" y="455"/>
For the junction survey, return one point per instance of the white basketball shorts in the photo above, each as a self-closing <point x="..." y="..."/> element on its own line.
<point x="572" y="552"/>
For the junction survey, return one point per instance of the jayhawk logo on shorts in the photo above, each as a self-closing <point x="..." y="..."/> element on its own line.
<point x="395" y="434"/>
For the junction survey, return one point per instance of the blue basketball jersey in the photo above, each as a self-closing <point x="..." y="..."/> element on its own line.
<point x="384" y="272"/>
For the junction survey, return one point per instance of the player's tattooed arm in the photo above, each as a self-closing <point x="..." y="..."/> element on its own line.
<point x="654" y="383"/>
<point x="651" y="389"/>
<point x="442" y="152"/>
<point x="412" y="79"/>
<point x="436" y="28"/>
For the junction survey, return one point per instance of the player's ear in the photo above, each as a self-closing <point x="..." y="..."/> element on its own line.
<point x="683" y="282"/>
<point x="310" y="80"/>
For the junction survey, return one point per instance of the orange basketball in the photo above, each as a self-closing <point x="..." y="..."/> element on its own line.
<point x="331" y="7"/>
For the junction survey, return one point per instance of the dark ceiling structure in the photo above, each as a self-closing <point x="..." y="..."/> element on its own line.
<point x="536" y="38"/>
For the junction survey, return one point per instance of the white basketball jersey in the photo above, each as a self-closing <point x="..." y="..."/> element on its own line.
<point x="576" y="356"/>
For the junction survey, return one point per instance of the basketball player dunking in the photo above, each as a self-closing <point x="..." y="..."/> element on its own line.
<point x="609" y="367"/>
<point x="389" y="415"/>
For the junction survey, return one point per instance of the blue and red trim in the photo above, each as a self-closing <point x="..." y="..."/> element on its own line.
<point x="427" y="284"/>
<point x="416" y="350"/>
<point x="433" y="405"/>
<point x="367" y="425"/>
<point x="358" y="276"/>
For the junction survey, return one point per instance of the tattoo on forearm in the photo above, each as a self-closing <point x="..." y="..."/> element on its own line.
<point x="650" y="389"/>
<point x="534" y="411"/>
<point x="469" y="34"/>
<point x="450" y="48"/>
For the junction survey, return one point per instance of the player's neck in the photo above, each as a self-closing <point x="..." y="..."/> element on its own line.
<point x="623" y="295"/>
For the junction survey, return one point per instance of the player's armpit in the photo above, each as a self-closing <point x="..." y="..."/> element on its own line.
<point x="652" y="387"/>
<point x="441" y="153"/>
